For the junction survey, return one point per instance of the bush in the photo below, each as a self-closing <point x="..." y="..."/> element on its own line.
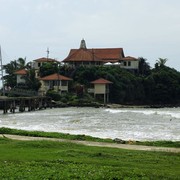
<point x="54" y="95"/>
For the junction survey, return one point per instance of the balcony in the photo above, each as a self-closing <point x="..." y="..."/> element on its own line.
<point x="90" y="90"/>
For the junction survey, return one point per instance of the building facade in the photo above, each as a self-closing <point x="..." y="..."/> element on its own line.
<point x="100" y="56"/>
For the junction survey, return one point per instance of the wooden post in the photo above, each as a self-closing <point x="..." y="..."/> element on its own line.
<point x="21" y="106"/>
<point x="104" y="98"/>
<point x="5" y="107"/>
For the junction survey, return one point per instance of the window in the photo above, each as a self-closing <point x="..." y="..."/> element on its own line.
<point x="129" y="63"/>
<point x="64" y="83"/>
<point x="125" y="64"/>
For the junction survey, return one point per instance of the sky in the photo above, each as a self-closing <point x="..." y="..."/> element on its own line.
<point x="143" y="28"/>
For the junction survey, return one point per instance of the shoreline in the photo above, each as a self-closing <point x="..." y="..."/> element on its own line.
<point x="112" y="105"/>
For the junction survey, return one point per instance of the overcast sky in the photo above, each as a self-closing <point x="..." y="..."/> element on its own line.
<point x="143" y="28"/>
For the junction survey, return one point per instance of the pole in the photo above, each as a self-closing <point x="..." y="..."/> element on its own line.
<point x="1" y="72"/>
<point x="47" y="53"/>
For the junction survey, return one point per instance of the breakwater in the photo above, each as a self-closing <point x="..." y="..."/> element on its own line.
<point x="21" y="104"/>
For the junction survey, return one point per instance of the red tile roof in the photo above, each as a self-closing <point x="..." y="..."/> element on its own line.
<point x="81" y="55"/>
<point x="43" y="59"/>
<point x="21" y="72"/>
<point x="129" y="58"/>
<point x="103" y="55"/>
<point x="101" y="81"/>
<point x="109" y="53"/>
<point x="55" y="76"/>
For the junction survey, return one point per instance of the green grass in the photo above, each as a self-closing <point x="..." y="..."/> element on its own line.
<point x="4" y="130"/>
<point x="175" y="144"/>
<point x="60" y="160"/>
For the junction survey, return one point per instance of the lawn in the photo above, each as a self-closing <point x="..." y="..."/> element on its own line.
<point x="60" y="160"/>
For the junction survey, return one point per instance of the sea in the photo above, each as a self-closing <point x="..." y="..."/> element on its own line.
<point x="137" y="124"/>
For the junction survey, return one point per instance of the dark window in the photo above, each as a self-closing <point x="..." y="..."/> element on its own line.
<point x="125" y="63"/>
<point x="129" y="63"/>
<point x="64" y="83"/>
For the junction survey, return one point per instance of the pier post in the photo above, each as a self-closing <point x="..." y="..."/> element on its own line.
<point x="22" y="105"/>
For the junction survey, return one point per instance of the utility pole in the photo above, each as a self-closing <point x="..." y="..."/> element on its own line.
<point x="1" y="73"/>
<point x="47" y="53"/>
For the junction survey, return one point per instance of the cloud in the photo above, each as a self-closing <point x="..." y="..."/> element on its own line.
<point x="142" y="27"/>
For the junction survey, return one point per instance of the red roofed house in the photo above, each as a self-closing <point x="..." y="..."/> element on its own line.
<point x="101" y="87"/>
<point x="54" y="81"/>
<point x="101" y="56"/>
<point x="19" y="75"/>
<point x="129" y="62"/>
<point x="37" y="63"/>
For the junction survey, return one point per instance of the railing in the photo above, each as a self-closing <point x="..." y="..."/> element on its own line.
<point x="22" y="92"/>
<point x="90" y="90"/>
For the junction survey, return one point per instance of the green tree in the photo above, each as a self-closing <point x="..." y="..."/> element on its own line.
<point x="10" y="68"/>
<point x="164" y="87"/>
<point x="161" y="62"/>
<point x="144" y="67"/>
<point x="48" y="68"/>
<point x="31" y="81"/>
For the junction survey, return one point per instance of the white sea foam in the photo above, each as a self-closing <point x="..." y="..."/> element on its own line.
<point x="146" y="112"/>
<point x="173" y="114"/>
<point x="134" y="123"/>
<point x="116" y="110"/>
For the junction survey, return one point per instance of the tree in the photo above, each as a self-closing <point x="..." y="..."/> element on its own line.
<point x="144" y="67"/>
<point x="31" y="81"/>
<point x="163" y="86"/>
<point x="21" y="63"/>
<point x="48" y="68"/>
<point x="10" y="68"/>
<point x="161" y="62"/>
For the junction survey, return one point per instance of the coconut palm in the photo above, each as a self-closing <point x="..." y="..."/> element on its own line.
<point x="161" y="61"/>
<point x="10" y="68"/>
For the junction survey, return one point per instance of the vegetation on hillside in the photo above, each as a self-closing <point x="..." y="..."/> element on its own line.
<point x="157" y="86"/>
<point x="160" y="85"/>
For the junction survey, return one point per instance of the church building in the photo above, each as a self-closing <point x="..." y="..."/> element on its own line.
<point x="100" y="56"/>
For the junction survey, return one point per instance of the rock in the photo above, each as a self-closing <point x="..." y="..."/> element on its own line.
<point x="119" y="141"/>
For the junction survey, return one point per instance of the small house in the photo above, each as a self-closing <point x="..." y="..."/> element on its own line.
<point x="20" y="76"/>
<point x="55" y="82"/>
<point x="101" y="88"/>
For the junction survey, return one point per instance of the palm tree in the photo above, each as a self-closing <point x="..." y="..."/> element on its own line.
<point x="10" y="68"/>
<point x="161" y="61"/>
<point x="21" y="63"/>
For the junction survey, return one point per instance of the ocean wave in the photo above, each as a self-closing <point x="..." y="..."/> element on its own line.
<point x="173" y="114"/>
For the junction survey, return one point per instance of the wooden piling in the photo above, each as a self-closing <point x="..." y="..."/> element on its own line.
<point x="31" y="103"/>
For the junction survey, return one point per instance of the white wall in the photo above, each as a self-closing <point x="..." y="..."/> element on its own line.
<point x="99" y="88"/>
<point x="20" y="79"/>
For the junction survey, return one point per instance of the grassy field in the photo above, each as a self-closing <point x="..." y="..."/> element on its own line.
<point x="54" y="160"/>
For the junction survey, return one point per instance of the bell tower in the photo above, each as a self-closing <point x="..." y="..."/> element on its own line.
<point x="83" y="44"/>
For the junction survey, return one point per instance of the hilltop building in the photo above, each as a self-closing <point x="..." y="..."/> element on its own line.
<point x="37" y="63"/>
<point x="100" y="56"/>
